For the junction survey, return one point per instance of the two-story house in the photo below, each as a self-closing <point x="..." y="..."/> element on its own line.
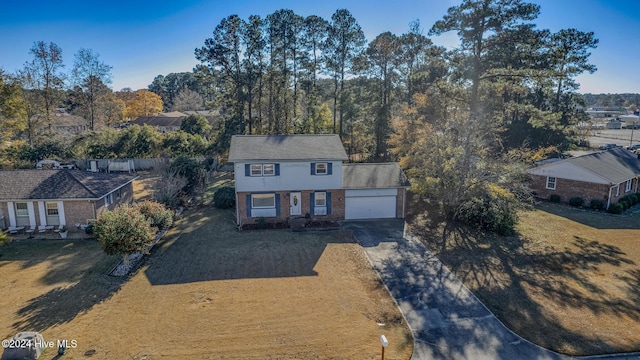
<point x="278" y="176"/>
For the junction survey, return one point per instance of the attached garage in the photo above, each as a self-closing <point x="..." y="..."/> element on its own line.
<point x="370" y="203"/>
<point x="374" y="191"/>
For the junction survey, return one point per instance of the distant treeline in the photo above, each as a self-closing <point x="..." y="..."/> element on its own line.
<point x="612" y="100"/>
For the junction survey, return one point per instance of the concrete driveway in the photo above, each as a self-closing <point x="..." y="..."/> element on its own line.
<point x="446" y="319"/>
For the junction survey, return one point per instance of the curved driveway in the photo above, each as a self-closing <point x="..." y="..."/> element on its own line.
<point x="446" y="319"/>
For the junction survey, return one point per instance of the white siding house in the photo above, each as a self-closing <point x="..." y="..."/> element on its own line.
<point x="280" y="176"/>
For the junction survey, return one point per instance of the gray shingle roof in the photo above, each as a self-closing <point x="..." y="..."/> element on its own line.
<point x="373" y="176"/>
<point x="286" y="147"/>
<point x="58" y="184"/>
<point x="617" y="165"/>
<point x="614" y="166"/>
<point x="158" y="121"/>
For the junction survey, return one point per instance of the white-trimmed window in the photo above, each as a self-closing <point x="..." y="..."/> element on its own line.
<point x="256" y="169"/>
<point x="551" y="183"/>
<point x="22" y="209"/>
<point x="263" y="201"/>
<point x="320" y="199"/>
<point x="262" y="170"/>
<point x="627" y="186"/>
<point x="268" y="169"/>
<point x="52" y="209"/>
<point x="321" y="169"/>
<point x="617" y="190"/>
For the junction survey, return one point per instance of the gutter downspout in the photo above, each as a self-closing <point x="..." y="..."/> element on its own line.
<point x="238" y="212"/>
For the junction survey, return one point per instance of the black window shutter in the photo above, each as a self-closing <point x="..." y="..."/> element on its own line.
<point x="313" y="168"/>
<point x="277" y="166"/>
<point x="247" y="169"/>
<point x="277" y="204"/>
<point x="329" y="168"/>
<point x="248" y="205"/>
<point x="328" y="202"/>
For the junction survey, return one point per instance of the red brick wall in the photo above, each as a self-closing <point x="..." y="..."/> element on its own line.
<point x="337" y="207"/>
<point x="568" y="189"/>
<point x="77" y="212"/>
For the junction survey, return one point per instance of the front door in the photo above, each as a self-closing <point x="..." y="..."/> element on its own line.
<point x="295" y="201"/>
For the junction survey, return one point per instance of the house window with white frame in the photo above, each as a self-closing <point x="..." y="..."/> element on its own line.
<point x="268" y="170"/>
<point x="256" y="169"/>
<point x="627" y="186"/>
<point x="52" y="209"/>
<point x="551" y="183"/>
<point x="321" y="169"/>
<point x="263" y="201"/>
<point x="617" y="190"/>
<point x="320" y="199"/>
<point x="262" y="170"/>
<point x="22" y="209"/>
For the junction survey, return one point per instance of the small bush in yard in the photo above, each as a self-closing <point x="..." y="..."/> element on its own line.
<point x="624" y="203"/>
<point x="616" y="208"/>
<point x="158" y="215"/>
<point x="555" y="198"/>
<point x="494" y="211"/>
<point x="634" y="199"/>
<point x="224" y="198"/>
<point x="597" y="204"/>
<point x="123" y="231"/>
<point x="4" y="238"/>
<point x="576" y="201"/>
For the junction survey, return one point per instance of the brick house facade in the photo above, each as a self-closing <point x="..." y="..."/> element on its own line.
<point x="607" y="176"/>
<point x="32" y="198"/>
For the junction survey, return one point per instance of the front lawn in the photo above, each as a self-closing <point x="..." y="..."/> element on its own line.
<point x="207" y="291"/>
<point x="567" y="281"/>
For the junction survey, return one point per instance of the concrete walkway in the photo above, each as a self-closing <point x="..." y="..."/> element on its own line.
<point x="446" y="319"/>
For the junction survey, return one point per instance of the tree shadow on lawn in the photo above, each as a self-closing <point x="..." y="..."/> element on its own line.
<point x="504" y="272"/>
<point x="595" y="219"/>
<point x="78" y="267"/>
<point x="209" y="247"/>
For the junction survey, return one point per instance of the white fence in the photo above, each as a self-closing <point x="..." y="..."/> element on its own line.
<point x="106" y="165"/>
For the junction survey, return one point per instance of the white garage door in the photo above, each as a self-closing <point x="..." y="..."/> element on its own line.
<point x="370" y="204"/>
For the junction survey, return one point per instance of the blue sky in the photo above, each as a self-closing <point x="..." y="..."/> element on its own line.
<point x="142" y="39"/>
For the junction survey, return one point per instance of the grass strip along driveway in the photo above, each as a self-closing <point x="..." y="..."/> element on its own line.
<point x="207" y="292"/>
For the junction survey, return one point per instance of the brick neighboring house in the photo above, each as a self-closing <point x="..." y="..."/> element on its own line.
<point x="33" y="198"/>
<point x="278" y="176"/>
<point x="606" y="175"/>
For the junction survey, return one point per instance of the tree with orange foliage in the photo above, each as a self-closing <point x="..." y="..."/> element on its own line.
<point x="144" y="103"/>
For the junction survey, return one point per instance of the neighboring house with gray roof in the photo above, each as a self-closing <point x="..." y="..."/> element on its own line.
<point x="605" y="175"/>
<point x="278" y="176"/>
<point x="35" y="197"/>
